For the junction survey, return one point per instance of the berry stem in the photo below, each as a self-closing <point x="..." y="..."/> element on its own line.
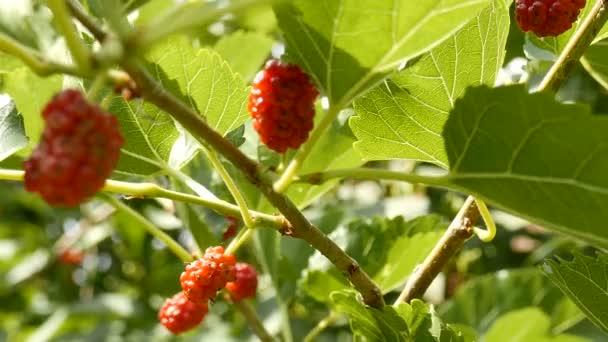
<point x="175" y="247"/>
<point x="294" y="166"/>
<point x="79" y="50"/>
<point x="232" y="187"/>
<point x="376" y="174"/>
<point x="253" y="319"/>
<point x="34" y="60"/>
<point x="243" y="237"/>
<point x="576" y="47"/>
<point x="152" y="190"/>
<point x="296" y="224"/>
<point x="322" y="325"/>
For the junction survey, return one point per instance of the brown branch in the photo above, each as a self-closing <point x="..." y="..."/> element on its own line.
<point x="459" y="231"/>
<point x="299" y="226"/>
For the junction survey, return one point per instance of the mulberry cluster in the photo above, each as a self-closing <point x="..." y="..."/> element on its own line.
<point x="78" y="150"/>
<point x="281" y="104"/>
<point x="178" y="314"/>
<point x="202" y="278"/>
<point x="547" y="17"/>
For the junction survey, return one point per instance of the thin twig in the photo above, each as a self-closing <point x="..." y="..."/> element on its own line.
<point x="86" y="21"/>
<point x="299" y="226"/>
<point x="459" y="231"/>
<point x="253" y="319"/>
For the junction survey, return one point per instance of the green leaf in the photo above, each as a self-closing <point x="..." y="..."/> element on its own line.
<point x="529" y="324"/>
<point x="532" y="156"/>
<point x="319" y="285"/>
<point x="416" y="322"/>
<point x="20" y="84"/>
<point x="585" y="281"/>
<point x="348" y="46"/>
<point x="403" y="117"/>
<point x="149" y="137"/>
<point x="231" y="48"/>
<point x="211" y="88"/>
<point x="373" y="324"/>
<point x="386" y="249"/>
<point x="595" y="63"/>
<point x="11" y="130"/>
<point x="480" y="301"/>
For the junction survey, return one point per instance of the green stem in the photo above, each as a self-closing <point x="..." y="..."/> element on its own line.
<point x="322" y="325"/>
<point x="294" y="166"/>
<point x="79" y="50"/>
<point x="96" y="88"/>
<point x="367" y="173"/>
<point x="175" y="247"/>
<point x="232" y="187"/>
<point x="86" y="21"/>
<point x="253" y="319"/>
<point x="488" y="234"/>
<point x="187" y="15"/>
<point x="296" y="224"/>
<point x="246" y="235"/>
<point x="576" y="47"/>
<point x="152" y="190"/>
<point x="33" y="59"/>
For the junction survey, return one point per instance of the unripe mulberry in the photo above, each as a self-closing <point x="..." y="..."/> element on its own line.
<point x="246" y="283"/>
<point x="281" y="104"/>
<point x="79" y="148"/>
<point x="202" y="278"/>
<point x="178" y="314"/>
<point x="547" y="17"/>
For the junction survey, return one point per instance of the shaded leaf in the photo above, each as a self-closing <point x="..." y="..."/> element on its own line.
<point x="348" y="46"/>
<point x="585" y="281"/>
<point x="595" y="62"/>
<point x="533" y="156"/>
<point x="480" y="301"/>
<point x="403" y="117"/>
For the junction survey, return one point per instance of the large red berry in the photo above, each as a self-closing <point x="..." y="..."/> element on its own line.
<point x="246" y="282"/>
<point x="77" y="152"/>
<point x="202" y="278"/>
<point x="281" y="104"/>
<point x="178" y="314"/>
<point x="547" y="17"/>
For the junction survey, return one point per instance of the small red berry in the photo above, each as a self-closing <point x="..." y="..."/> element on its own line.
<point x="281" y="104"/>
<point x="178" y="314"/>
<point x="78" y="150"/>
<point x="202" y="278"/>
<point x="71" y="256"/>
<point x="547" y="17"/>
<point x="246" y="282"/>
<point x="230" y="231"/>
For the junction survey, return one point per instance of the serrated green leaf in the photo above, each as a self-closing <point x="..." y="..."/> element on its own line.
<point x="425" y="325"/>
<point x="149" y="137"/>
<point x="386" y="249"/>
<point x="403" y="117"/>
<point x="11" y="129"/>
<point x="595" y="62"/>
<point x="373" y="324"/>
<point x="532" y="156"/>
<point x="585" y="281"/>
<point x="208" y="83"/>
<point x="348" y="46"/>
<point x="256" y="44"/>
<point x="20" y="84"/>
<point x="529" y="324"/>
<point x="480" y="301"/>
<point x="319" y="285"/>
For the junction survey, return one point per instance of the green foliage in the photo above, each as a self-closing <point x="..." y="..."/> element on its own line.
<point x="533" y="156"/>
<point x="584" y="280"/>
<point x="325" y="37"/>
<point x="403" y="117"/>
<point x="11" y="130"/>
